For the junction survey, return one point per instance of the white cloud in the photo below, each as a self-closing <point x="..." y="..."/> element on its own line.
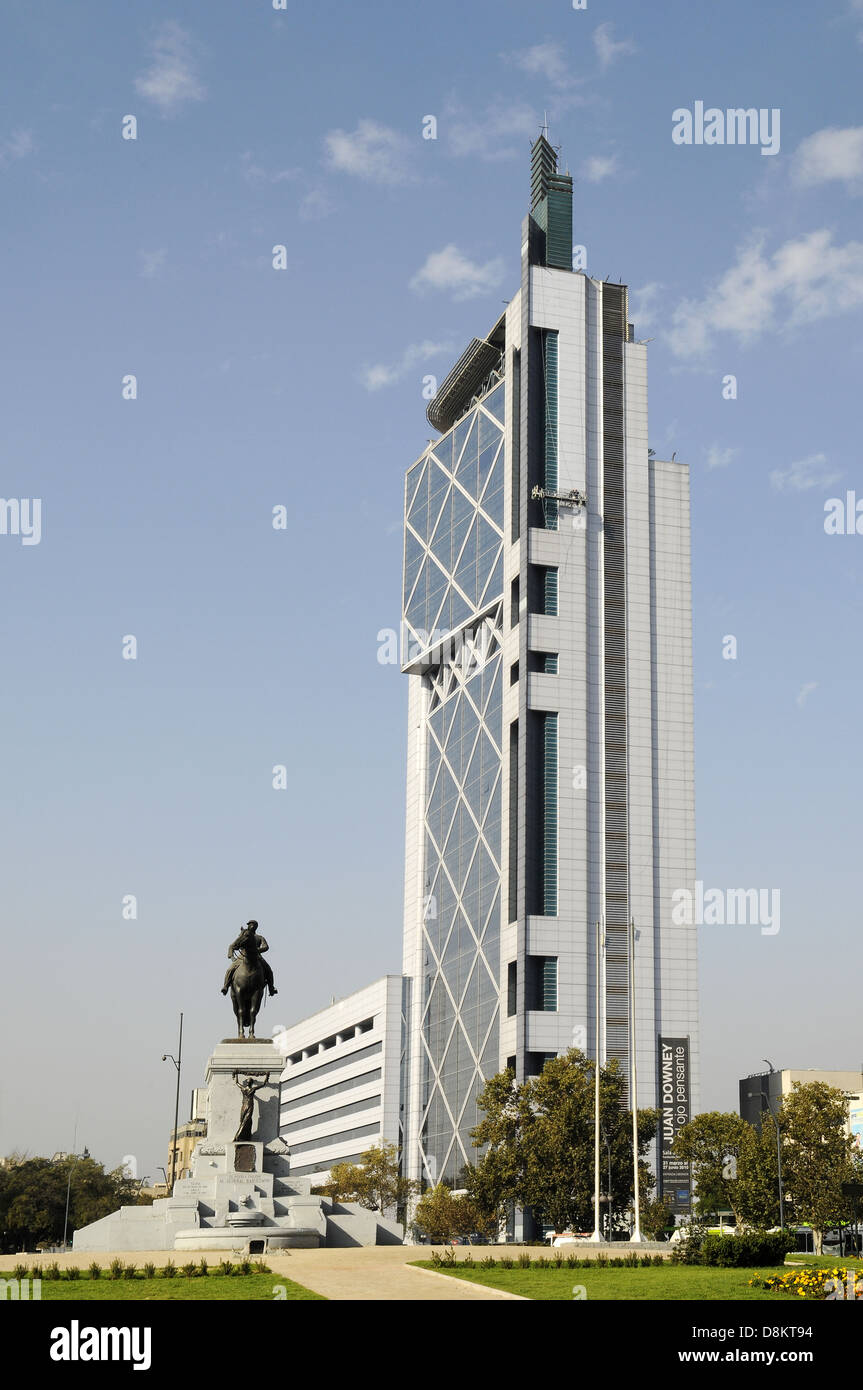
<point x="450" y="270"/>
<point x="172" y="79"/>
<point x="16" y="146"/>
<point x="152" y="263"/>
<point x="373" y="378"/>
<point x="543" y="60"/>
<point x="372" y="151"/>
<point x="804" y="474"/>
<point x="501" y="132"/>
<point x="805" y="279"/>
<point x="830" y="154"/>
<point x="254" y="173"/>
<point x="607" y="49"/>
<point x="315" y="205"/>
<point x="642" y="304"/>
<point x="600" y="167"/>
<point x="720" y="458"/>
<point x="804" y="692"/>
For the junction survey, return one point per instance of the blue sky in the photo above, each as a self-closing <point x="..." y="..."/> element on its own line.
<point x="302" y="387"/>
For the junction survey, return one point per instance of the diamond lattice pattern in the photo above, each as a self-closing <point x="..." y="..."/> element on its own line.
<point x="462" y="876"/>
<point x="454" y="525"/>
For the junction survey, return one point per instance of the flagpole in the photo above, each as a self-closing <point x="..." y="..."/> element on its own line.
<point x="637" y="1237"/>
<point x="597" y="1233"/>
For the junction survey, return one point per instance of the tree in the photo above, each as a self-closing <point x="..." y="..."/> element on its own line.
<point x="757" y="1186"/>
<point x="444" y="1215"/>
<point x="540" y="1141"/>
<point x="656" y="1217"/>
<point x="343" y="1184"/>
<point x="816" y="1154"/>
<point x="33" y="1198"/>
<point x="709" y="1142"/>
<point x="487" y="1198"/>
<point x="374" y="1182"/>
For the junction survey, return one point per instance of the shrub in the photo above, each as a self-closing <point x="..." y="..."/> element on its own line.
<point x="488" y="1263"/>
<point x="20" y="1272"/>
<point x="149" y="1271"/>
<point x="95" y="1270"/>
<point x="169" y="1271"/>
<point x="189" y="1269"/>
<point x="688" y="1252"/>
<point x="225" y="1267"/>
<point x="524" y="1260"/>
<point x="73" y="1272"/>
<point x="748" y="1250"/>
<point x="203" y="1269"/>
<point x="115" y="1269"/>
<point x="52" y="1271"/>
<point x="507" y="1262"/>
<point x="244" y="1267"/>
<point x="130" y="1272"/>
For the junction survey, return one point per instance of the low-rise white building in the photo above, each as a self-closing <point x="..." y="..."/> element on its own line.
<point x="340" y="1085"/>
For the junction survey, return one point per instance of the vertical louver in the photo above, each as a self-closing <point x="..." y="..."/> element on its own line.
<point x="549" y="815"/>
<point x="549" y="372"/>
<point x="614" y="310"/>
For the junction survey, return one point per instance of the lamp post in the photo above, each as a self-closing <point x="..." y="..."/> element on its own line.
<point x="636" y="1237"/>
<point x="75" y="1157"/>
<point x="178" y="1061"/>
<point x="600" y="961"/>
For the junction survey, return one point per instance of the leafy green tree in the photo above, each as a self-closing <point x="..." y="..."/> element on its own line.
<point x="375" y="1182"/>
<point x="539" y="1140"/>
<point x="816" y="1154"/>
<point x="343" y="1184"/>
<point x="487" y="1197"/>
<point x="711" y="1143"/>
<point x="444" y="1215"/>
<point x="33" y="1198"/>
<point x="757" y="1186"/>
<point x="656" y="1216"/>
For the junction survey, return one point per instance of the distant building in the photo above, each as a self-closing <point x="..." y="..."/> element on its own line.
<point x="183" y="1140"/>
<point x="340" y="1085"/>
<point x="766" y="1090"/>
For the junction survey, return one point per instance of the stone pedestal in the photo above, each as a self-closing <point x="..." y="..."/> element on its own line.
<point x="240" y="1196"/>
<point x="248" y="1057"/>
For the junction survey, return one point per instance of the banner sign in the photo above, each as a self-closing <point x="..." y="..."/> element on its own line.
<point x="674" y="1105"/>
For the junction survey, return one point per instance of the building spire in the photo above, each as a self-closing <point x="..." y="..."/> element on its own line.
<point x="551" y="203"/>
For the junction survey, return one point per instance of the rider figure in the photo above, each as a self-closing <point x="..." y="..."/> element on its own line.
<point x="249" y="937"/>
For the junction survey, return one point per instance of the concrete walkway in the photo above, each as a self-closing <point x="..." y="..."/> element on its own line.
<point x="375" y="1273"/>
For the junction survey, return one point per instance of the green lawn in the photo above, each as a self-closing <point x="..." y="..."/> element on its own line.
<point x="824" y="1261"/>
<point x="666" y="1282"/>
<point x="255" y="1287"/>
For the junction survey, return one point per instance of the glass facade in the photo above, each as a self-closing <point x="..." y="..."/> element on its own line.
<point x="454" y="525"/>
<point x="454" y="581"/>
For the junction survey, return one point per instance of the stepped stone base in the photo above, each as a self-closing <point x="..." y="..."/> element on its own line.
<point x="241" y="1196"/>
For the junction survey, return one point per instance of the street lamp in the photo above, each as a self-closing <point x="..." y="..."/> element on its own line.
<point x="178" y="1061"/>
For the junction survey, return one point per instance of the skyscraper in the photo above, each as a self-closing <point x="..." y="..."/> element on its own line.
<point x="547" y="643"/>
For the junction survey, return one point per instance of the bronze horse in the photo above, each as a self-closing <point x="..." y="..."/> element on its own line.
<point x="247" y="990"/>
